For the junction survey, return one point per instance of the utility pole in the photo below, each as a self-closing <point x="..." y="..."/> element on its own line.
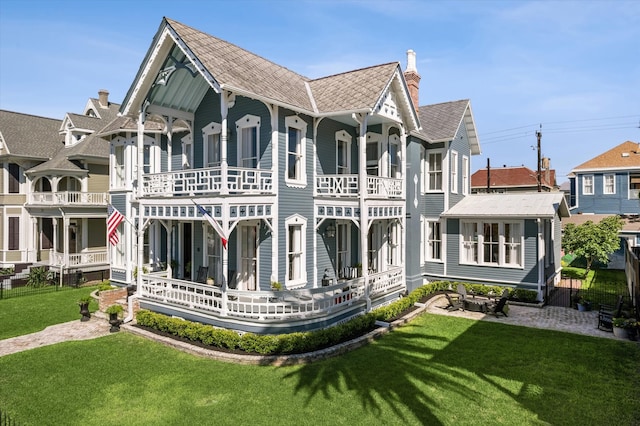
<point x="488" y="176"/>
<point x="539" y="135"/>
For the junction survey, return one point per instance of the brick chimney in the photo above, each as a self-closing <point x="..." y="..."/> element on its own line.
<point x="103" y="98"/>
<point x="413" y="78"/>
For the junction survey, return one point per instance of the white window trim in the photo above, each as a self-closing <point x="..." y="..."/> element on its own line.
<point x="377" y="139"/>
<point x="604" y="183"/>
<point x="302" y="222"/>
<point x="296" y="122"/>
<point x="212" y="128"/>
<point x="114" y="182"/>
<point x="187" y="160"/>
<point x="426" y="241"/>
<point x="343" y="136"/>
<point x="394" y="140"/>
<point x="584" y="185"/>
<point x="248" y="121"/>
<point x="501" y="244"/>
<point x="454" y="172"/>
<point x="427" y="175"/>
<point x="465" y="175"/>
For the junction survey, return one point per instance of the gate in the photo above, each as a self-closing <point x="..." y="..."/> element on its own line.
<point x="564" y="291"/>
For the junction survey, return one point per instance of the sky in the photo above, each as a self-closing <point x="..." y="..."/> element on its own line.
<point x="568" y="69"/>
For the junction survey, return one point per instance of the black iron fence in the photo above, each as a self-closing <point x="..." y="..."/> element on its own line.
<point x="570" y="292"/>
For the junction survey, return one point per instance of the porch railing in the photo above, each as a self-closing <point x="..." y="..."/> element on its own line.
<point x="79" y="259"/>
<point x="348" y="186"/>
<point x="237" y="180"/>
<point x="69" y="198"/>
<point x="266" y="305"/>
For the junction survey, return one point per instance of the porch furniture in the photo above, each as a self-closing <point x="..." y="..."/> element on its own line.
<point x="462" y="291"/>
<point x="498" y="308"/>
<point x="455" y="302"/>
<point x="201" y="277"/>
<point x="475" y="305"/>
<point x="607" y="313"/>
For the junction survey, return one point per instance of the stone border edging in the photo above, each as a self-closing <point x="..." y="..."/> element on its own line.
<point x="277" y="360"/>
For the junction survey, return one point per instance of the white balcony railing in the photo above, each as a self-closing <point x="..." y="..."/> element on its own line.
<point x="337" y="185"/>
<point x="69" y="198"/>
<point x="208" y="181"/>
<point x="348" y="186"/>
<point x="384" y="187"/>
<point x="79" y="259"/>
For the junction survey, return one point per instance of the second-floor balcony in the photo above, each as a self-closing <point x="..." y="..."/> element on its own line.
<point x="68" y="198"/>
<point x="348" y="186"/>
<point x="213" y="180"/>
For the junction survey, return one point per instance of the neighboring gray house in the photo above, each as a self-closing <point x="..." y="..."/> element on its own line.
<point x="261" y="200"/>
<point x="54" y="189"/>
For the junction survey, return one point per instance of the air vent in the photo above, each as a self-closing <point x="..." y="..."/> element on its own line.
<point x="625" y="154"/>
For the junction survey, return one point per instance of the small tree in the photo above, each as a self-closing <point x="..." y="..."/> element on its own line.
<point x="593" y="241"/>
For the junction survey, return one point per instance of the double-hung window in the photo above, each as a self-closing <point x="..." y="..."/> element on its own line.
<point x="296" y="271"/>
<point x="454" y="172"/>
<point x="14" y="178"/>
<point x="469" y="242"/>
<point x="587" y="184"/>
<point x="14" y="233"/>
<point x="609" y="184"/>
<point x="296" y="146"/>
<point x="434" y="171"/>
<point x="512" y="244"/>
<point x="491" y="242"/>
<point x="248" y="129"/>
<point x="211" y="136"/>
<point x="433" y="235"/>
<point x="465" y="175"/>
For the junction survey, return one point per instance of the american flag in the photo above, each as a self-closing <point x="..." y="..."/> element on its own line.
<point x="113" y="220"/>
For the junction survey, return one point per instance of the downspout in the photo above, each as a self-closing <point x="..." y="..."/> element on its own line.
<point x="61" y="263"/>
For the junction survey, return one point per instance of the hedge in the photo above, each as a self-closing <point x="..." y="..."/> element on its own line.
<point x="301" y="342"/>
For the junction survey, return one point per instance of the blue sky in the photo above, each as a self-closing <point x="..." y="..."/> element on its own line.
<point x="572" y="67"/>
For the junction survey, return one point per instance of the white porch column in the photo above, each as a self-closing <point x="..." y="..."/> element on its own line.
<point x="364" y="216"/>
<point x="65" y="240"/>
<point x="227" y="101"/>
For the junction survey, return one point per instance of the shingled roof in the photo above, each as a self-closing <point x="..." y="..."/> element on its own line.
<point x="237" y="68"/>
<point x="28" y="135"/>
<point x="353" y="90"/>
<point x="504" y="177"/>
<point x="624" y="156"/>
<point x="441" y="121"/>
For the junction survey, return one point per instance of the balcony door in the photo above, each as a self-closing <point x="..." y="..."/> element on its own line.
<point x="248" y="248"/>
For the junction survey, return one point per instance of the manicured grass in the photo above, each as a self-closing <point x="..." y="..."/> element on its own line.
<point x="611" y="281"/>
<point x="436" y="370"/>
<point x="28" y="314"/>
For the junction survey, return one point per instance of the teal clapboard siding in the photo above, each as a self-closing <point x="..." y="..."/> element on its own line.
<point x="208" y="111"/>
<point x="525" y="277"/>
<point x="293" y="200"/>
<point x="413" y="232"/>
<point x="460" y="144"/>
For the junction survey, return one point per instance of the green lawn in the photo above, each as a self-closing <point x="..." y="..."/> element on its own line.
<point x="436" y="370"/>
<point x="28" y="314"/>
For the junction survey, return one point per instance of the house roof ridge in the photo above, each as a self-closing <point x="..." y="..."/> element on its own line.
<point x="355" y="70"/>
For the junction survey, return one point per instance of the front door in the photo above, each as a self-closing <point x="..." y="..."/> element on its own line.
<point x="248" y="246"/>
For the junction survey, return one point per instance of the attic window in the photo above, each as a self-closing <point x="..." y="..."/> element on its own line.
<point x="91" y="113"/>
